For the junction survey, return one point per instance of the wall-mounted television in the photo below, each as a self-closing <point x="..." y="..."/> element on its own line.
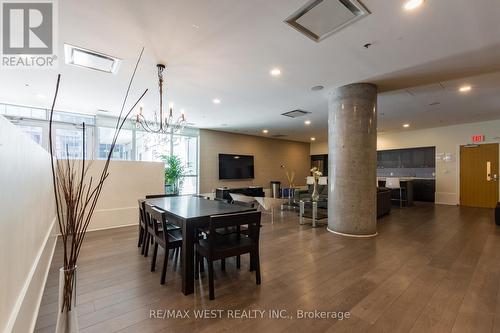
<point x="235" y="166"/>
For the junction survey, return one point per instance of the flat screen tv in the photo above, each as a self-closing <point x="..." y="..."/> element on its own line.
<point x="235" y="166"/>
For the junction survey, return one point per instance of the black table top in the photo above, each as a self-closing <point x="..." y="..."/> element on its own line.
<point x="188" y="207"/>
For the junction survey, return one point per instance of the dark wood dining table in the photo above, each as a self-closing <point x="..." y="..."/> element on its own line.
<point x="190" y="213"/>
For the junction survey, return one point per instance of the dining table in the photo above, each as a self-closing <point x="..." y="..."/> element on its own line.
<point x="191" y="213"/>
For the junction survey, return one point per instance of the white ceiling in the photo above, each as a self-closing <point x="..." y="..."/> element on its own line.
<point x="225" y="49"/>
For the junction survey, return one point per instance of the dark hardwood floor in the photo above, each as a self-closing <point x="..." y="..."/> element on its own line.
<point x="431" y="269"/>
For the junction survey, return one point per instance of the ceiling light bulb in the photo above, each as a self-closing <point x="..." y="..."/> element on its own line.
<point x="275" y="72"/>
<point x="216" y="101"/>
<point x="313" y="139"/>
<point x="406" y="125"/>
<point x="412" y="4"/>
<point x="465" y="89"/>
<point x="265" y="131"/>
<point x="307" y="122"/>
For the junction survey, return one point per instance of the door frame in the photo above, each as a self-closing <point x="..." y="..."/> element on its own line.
<point x="459" y="167"/>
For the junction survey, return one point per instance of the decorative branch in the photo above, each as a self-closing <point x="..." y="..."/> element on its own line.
<point x="77" y="195"/>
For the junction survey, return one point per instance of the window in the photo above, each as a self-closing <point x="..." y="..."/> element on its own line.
<point x="35" y="132"/>
<point x="69" y="143"/>
<point x="186" y="148"/>
<point x="151" y="147"/>
<point x="123" y="146"/>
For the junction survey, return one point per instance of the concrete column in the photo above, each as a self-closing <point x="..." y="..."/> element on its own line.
<point x="352" y="154"/>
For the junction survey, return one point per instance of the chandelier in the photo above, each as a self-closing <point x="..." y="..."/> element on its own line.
<point x="162" y="124"/>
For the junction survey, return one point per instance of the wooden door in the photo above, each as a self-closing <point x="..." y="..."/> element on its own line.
<point x="479" y="175"/>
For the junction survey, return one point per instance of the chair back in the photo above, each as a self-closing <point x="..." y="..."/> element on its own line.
<point x="155" y="218"/>
<point x="392" y="183"/>
<point x="142" y="219"/>
<point x="251" y="219"/>
<point x="156" y="196"/>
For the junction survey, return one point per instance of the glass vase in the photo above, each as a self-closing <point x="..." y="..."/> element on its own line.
<point x="315" y="194"/>
<point x="67" y="315"/>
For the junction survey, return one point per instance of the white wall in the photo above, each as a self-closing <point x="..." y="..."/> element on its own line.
<point x="27" y="217"/>
<point x="127" y="182"/>
<point x="446" y="140"/>
<point x="269" y="155"/>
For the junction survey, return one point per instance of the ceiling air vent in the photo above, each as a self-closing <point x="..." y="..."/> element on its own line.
<point x="279" y="136"/>
<point x="295" y="113"/>
<point x="318" y="19"/>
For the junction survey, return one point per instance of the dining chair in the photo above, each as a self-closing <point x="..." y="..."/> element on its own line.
<point x="218" y="247"/>
<point x="167" y="239"/>
<point x="395" y="184"/>
<point x="142" y="226"/>
<point x="150" y="229"/>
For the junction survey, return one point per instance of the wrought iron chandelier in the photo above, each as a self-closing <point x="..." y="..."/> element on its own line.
<point x="162" y="124"/>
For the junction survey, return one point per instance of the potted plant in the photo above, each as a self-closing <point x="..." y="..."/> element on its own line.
<point x="174" y="170"/>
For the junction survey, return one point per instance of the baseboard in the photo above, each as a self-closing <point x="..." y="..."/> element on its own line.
<point x="114" y="227"/>
<point x="24" y="315"/>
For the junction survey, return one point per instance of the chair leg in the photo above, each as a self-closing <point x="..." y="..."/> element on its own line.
<point x="223" y="264"/>
<point x="141" y="233"/>
<point x="153" y="261"/>
<point x="144" y="236"/>
<point x="211" y="279"/>
<point x="146" y="241"/>
<point x="400" y="198"/>
<point x="165" y="264"/>
<point x="257" y="267"/>
<point x="238" y="262"/>
<point x="196" y="265"/>
<point x="202" y="265"/>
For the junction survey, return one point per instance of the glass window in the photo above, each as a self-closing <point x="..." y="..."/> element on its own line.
<point x="189" y="185"/>
<point x="35" y="132"/>
<point x="186" y="148"/>
<point x="69" y="143"/>
<point x="123" y="146"/>
<point x="73" y="118"/>
<point x="151" y="147"/>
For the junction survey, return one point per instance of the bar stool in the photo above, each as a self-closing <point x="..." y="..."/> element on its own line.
<point x="395" y="184"/>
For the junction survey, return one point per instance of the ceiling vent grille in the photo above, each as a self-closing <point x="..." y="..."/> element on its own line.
<point x="319" y="19"/>
<point x="279" y="136"/>
<point x="295" y="113"/>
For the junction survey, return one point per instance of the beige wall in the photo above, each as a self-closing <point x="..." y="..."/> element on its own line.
<point x="269" y="155"/>
<point x="27" y="218"/>
<point x="127" y="182"/>
<point x="446" y="140"/>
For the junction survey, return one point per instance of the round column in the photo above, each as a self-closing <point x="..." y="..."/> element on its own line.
<point x="352" y="160"/>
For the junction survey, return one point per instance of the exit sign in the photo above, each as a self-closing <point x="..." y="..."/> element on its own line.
<point x="477" y="138"/>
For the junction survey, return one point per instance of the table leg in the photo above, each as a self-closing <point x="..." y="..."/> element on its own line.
<point x="188" y="238"/>
<point x="301" y="212"/>
<point x="314" y="214"/>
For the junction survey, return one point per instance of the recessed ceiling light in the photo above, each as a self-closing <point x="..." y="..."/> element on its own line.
<point x="42" y="96"/>
<point x="265" y="131"/>
<point x="90" y="59"/>
<point x="313" y="139"/>
<point x="464" y="89"/>
<point x="307" y="122"/>
<point x="216" y="101"/>
<point x="412" y="4"/>
<point x="406" y="125"/>
<point x="275" y="72"/>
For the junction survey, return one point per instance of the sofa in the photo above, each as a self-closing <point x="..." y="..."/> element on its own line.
<point x="383" y="198"/>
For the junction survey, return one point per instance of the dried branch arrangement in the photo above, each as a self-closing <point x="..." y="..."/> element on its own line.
<point x="76" y="195"/>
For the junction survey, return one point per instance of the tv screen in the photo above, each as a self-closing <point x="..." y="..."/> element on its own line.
<point x="235" y="166"/>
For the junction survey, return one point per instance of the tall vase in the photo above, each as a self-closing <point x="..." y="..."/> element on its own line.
<point x="315" y="194"/>
<point x="67" y="315"/>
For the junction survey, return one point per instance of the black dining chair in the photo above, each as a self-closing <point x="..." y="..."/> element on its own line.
<point x="219" y="247"/>
<point x="142" y="226"/>
<point x="167" y="239"/>
<point x="150" y="230"/>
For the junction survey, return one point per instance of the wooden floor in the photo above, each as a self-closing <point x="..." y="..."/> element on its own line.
<point x="431" y="269"/>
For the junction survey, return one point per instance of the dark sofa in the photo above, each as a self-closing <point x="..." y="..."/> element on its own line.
<point x="383" y="198"/>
